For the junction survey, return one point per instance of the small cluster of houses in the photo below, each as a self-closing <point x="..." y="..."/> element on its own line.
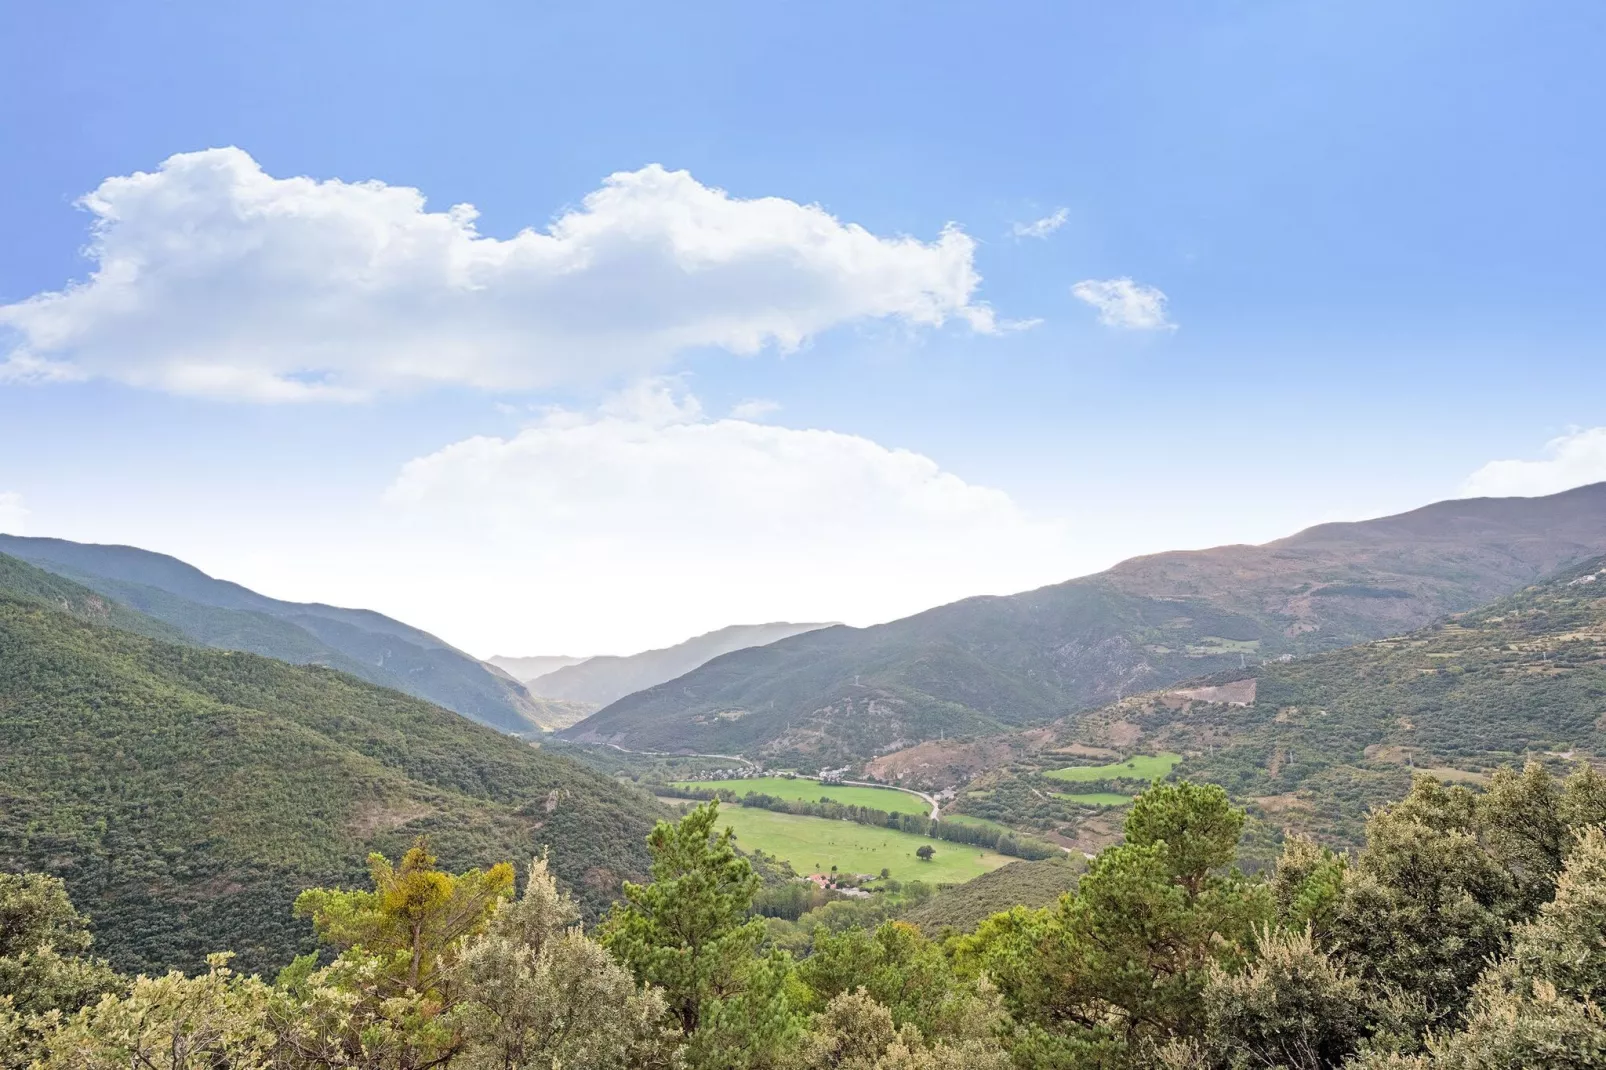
<point x="830" y="882"/>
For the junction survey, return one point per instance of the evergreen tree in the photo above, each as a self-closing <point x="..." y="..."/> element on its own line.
<point x="689" y="934"/>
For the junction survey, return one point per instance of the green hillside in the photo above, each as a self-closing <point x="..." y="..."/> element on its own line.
<point x="1328" y="735"/>
<point x="22" y="580"/>
<point x="983" y="665"/>
<point x="225" y="615"/>
<point x="187" y="794"/>
<point x="1027" y="884"/>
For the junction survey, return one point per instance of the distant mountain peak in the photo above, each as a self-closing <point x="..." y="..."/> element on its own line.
<point x="607" y="678"/>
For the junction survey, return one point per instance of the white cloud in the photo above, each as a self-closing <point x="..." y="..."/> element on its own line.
<point x="214" y="278"/>
<point x="13" y="514"/>
<point x="1569" y="461"/>
<point x="754" y="409"/>
<point x="1041" y="228"/>
<point x="649" y="508"/>
<point x="1124" y="303"/>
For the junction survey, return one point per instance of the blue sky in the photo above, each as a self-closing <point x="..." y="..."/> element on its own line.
<point x="1376" y="226"/>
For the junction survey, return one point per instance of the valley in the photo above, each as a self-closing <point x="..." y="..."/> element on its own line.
<point x="986" y="667"/>
<point x="797" y="788"/>
<point x="818" y="845"/>
<point x="187" y="792"/>
<point x="1307" y="741"/>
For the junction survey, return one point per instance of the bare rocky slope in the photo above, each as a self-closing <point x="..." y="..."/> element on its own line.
<point x="985" y="664"/>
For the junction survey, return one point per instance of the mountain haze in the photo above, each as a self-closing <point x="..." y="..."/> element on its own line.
<point x="221" y="614"/>
<point x="187" y="794"/>
<point x="606" y="679"/>
<point x="526" y="669"/>
<point x="984" y="664"/>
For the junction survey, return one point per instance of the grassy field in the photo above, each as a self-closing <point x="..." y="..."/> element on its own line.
<point x="894" y="802"/>
<point x="815" y="844"/>
<point x="1137" y="767"/>
<point x="977" y="822"/>
<point x="1094" y="798"/>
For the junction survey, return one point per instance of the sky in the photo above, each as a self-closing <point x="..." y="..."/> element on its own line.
<point x="584" y="328"/>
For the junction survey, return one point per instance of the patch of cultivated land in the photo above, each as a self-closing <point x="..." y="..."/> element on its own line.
<point x="977" y="822"/>
<point x="793" y="788"/>
<point x="815" y="844"/>
<point x="1137" y="767"/>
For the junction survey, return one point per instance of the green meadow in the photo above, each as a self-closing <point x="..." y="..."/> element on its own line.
<point x="976" y="822"/>
<point x="815" y="844"/>
<point x="1137" y="767"/>
<point x="793" y="788"/>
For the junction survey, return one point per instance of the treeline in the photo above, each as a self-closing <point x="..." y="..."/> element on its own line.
<point x="1003" y="841"/>
<point x="1469" y="933"/>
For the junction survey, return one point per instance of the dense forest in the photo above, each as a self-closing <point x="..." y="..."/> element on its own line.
<point x="1469" y="931"/>
<point x="187" y="794"/>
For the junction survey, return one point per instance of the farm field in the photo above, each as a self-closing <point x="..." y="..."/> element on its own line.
<point x="815" y="844"/>
<point x="977" y="822"/>
<point x="1137" y="767"/>
<point x="1094" y="798"/>
<point x="893" y="802"/>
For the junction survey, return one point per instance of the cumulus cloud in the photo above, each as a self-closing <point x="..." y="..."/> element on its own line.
<point x="754" y="408"/>
<point x="212" y="277"/>
<point x="1041" y="228"/>
<point x="1569" y="461"/>
<point x="648" y="501"/>
<point x="1125" y="304"/>
<point x="13" y="514"/>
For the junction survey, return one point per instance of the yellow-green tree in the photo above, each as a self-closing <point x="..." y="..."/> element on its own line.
<point x="413" y="917"/>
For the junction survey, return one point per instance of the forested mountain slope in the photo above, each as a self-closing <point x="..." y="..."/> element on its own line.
<point x="1314" y="741"/>
<point x="187" y="794"/>
<point x="217" y="613"/>
<point x="606" y="679"/>
<point x="980" y="665"/>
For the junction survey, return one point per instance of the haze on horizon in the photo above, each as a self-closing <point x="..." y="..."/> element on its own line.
<point x="841" y="345"/>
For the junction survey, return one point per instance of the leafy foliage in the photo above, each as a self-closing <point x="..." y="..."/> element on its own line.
<point x="689" y="934"/>
<point x="187" y="794"/>
<point x="1161" y="957"/>
<point x="965" y="906"/>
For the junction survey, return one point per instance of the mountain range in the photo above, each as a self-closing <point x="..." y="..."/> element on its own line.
<point x="984" y="665"/>
<point x="225" y="615"/>
<point x="526" y="669"/>
<point x="1312" y="743"/>
<point x="187" y="793"/>
<point x="606" y="678"/>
